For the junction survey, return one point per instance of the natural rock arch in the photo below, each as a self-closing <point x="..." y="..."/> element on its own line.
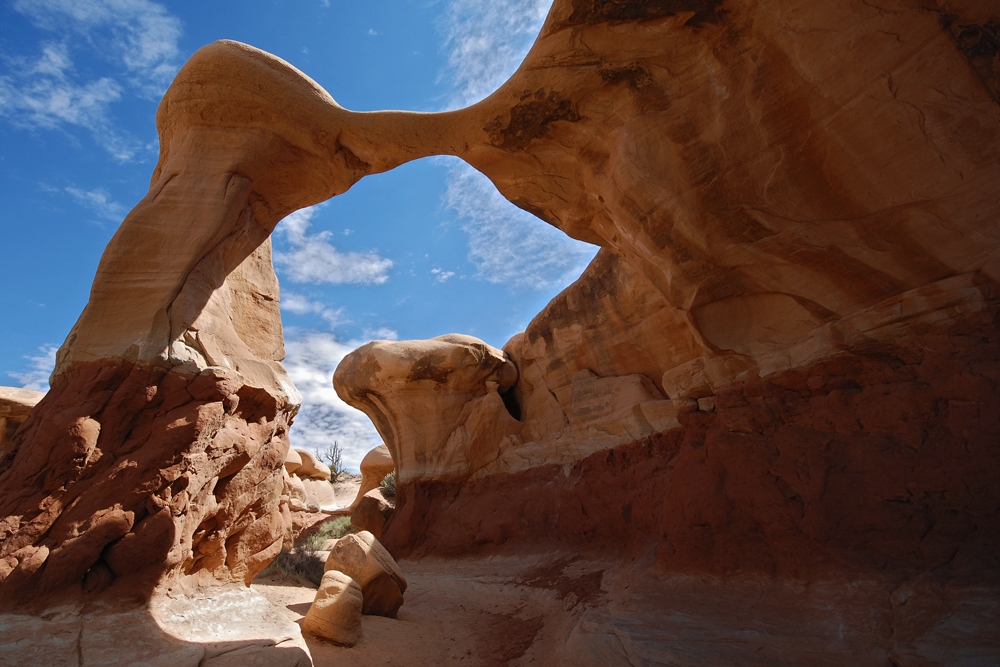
<point x="768" y="220"/>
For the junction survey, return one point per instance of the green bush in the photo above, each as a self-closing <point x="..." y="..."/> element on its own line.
<point x="302" y="562"/>
<point x="299" y="563"/>
<point x="389" y="485"/>
<point x="331" y="530"/>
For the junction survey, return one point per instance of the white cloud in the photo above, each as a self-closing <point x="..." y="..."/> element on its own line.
<point x="138" y="37"/>
<point x="310" y="360"/>
<point x="382" y="333"/>
<point x="36" y="377"/>
<point x="507" y="245"/>
<point x="300" y="305"/>
<point x="312" y="259"/>
<point x="441" y="276"/>
<point x="372" y="32"/>
<point x="98" y="200"/>
<point x="486" y="41"/>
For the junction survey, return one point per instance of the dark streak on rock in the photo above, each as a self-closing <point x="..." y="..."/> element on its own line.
<point x="529" y="119"/>
<point x="429" y="368"/>
<point x="596" y="11"/>
<point x="980" y="44"/>
<point x="635" y="75"/>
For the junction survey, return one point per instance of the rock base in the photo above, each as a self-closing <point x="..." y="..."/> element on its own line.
<point x="233" y="626"/>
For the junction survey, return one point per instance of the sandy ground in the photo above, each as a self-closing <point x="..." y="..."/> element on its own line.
<point x="346" y="489"/>
<point x="487" y="611"/>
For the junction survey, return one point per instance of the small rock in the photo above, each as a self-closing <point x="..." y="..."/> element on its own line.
<point x="292" y="461"/>
<point x="365" y="560"/>
<point x="335" y="613"/>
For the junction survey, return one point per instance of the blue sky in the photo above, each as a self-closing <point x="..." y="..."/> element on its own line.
<point x="426" y="249"/>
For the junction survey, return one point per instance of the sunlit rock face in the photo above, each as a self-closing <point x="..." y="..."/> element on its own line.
<point x="436" y="403"/>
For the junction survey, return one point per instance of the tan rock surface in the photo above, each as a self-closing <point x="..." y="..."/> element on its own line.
<point x="372" y="512"/>
<point x="292" y="460"/>
<point x="320" y="492"/>
<point x="363" y="558"/>
<point x="311" y="467"/>
<point x="435" y="403"/>
<point x="15" y="406"/>
<point x="335" y="613"/>
<point x="374" y="467"/>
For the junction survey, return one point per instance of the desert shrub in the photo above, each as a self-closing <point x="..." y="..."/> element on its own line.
<point x="331" y="530"/>
<point x="388" y="485"/>
<point x="302" y="562"/>
<point x="299" y="563"/>
<point x="334" y="458"/>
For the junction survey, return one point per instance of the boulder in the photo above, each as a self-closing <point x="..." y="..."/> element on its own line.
<point x="374" y="467"/>
<point x="292" y="461"/>
<point x="363" y="558"/>
<point x="335" y="614"/>
<point x="311" y="467"/>
<point x="319" y="492"/>
<point x="372" y="513"/>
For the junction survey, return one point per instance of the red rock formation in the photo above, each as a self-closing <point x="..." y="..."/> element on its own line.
<point x="784" y="363"/>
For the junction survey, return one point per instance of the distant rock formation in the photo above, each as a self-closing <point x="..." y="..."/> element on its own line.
<point x="15" y="406"/>
<point x="436" y="403"/>
<point x="374" y="467"/>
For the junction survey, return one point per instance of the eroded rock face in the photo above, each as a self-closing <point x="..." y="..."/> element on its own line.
<point x="156" y="457"/>
<point x="15" y="406"/>
<point x="436" y="403"/>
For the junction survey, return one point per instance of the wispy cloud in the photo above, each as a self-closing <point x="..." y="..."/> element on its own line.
<point x="138" y="37"/>
<point x="300" y="305"/>
<point x="507" y="245"/>
<point x="312" y="259"/>
<point x="99" y="201"/>
<point x="311" y="359"/>
<point x="36" y="377"/>
<point x="441" y="276"/>
<point x="382" y="333"/>
<point x="486" y="41"/>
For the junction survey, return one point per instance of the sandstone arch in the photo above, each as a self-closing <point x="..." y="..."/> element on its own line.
<point x="785" y="240"/>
